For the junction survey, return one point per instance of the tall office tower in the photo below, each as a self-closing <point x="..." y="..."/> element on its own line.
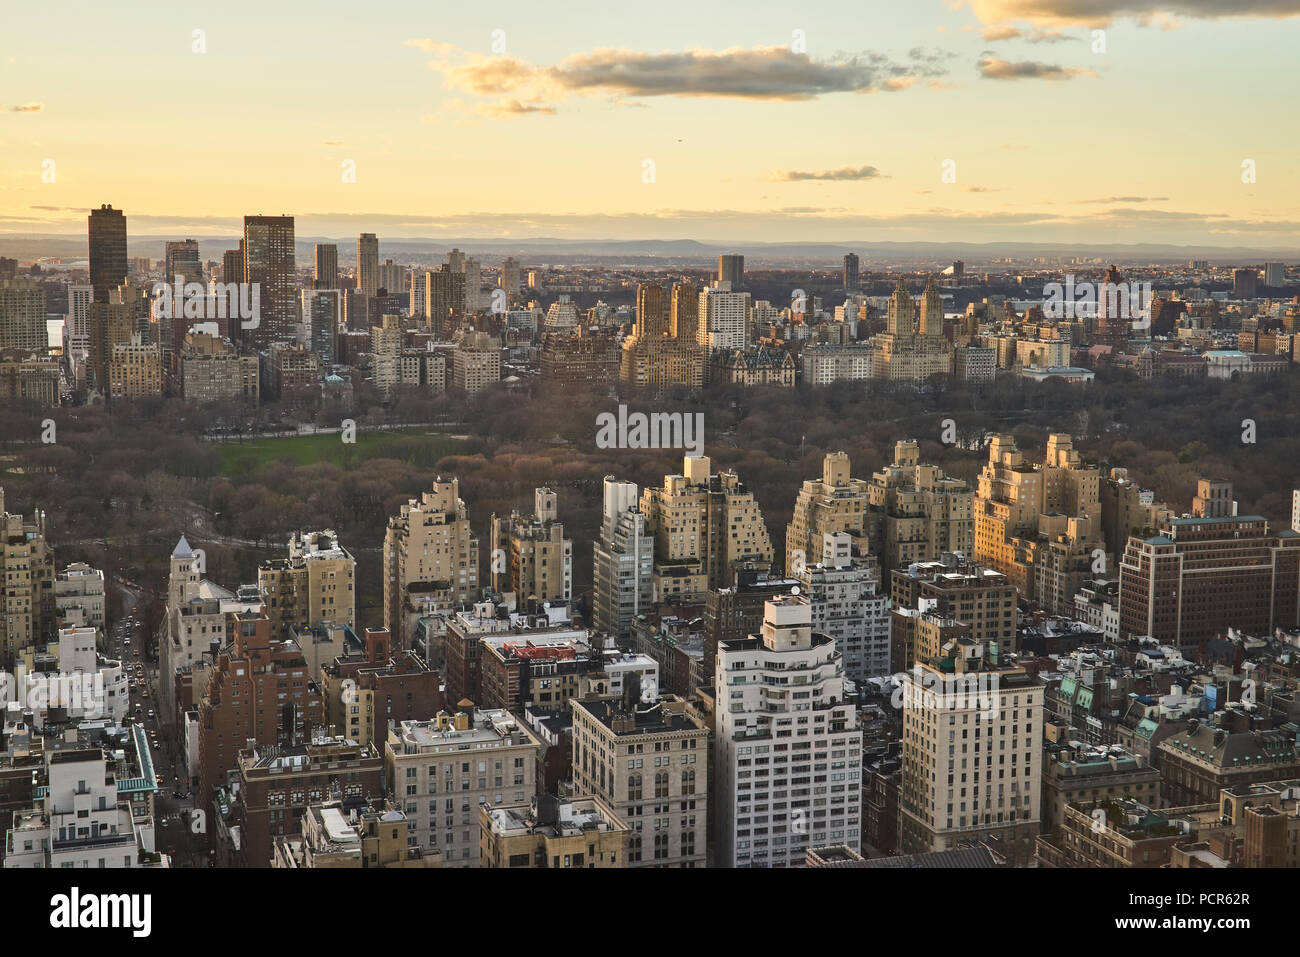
<point x="181" y="258"/>
<point x="456" y="260"/>
<point x="836" y="503"/>
<point x="851" y="272"/>
<point x="931" y="310"/>
<point x="1202" y="574"/>
<point x="269" y="262"/>
<point x="444" y="295"/>
<point x="731" y="269"/>
<point x="429" y="549"/>
<point x="368" y="264"/>
<point x="917" y="512"/>
<point x="675" y="794"/>
<point x="530" y="555"/>
<point x="27" y="610"/>
<point x="107" y="250"/>
<point x="1244" y="282"/>
<point x="623" y="562"/>
<point x="684" y="311"/>
<point x="704" y="526"/>
<point x="232" y="264"/>
<point x="314" y="585"/>
<point x="1274" y="275"/>
<point x="322" y="311"/>
<point x="22" y="316"/>
<point x="958" y="269"/>
<point x="848" y="605"/>
<point x="723" y="315"/>
<point x="111" y="324"/>
<point x="972" y="754"/>
<point x="652" y="311"/>
<point x="795" y="736"/>
<point x="326" y="275"/>
<point x="510" y="280"/>
<point x="1039" y="525"/>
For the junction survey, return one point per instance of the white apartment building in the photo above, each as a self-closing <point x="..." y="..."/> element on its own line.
<point x="972" y="754"/>
<point x="440" y="771"/>
<point x="723" y="316"/>
<point x="848" y="606"/>
<point x="623" y="559"/>
<point x="787" y="753"/>
<point x="80" y="586"/>
<point x="80" y="820"/>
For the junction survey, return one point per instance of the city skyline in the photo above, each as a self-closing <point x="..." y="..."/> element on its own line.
<point x="779" y="127"/>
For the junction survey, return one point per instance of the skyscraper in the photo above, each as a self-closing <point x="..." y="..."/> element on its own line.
<point x="836" y="503"/>
<point x="269" y="262"/>
<point x="107" y="250"/>
<point x="232" y="264"/>
<point x="429" y="550"/>
<point x="851" y="272"/>
<point x="731" y="268"/>
<point x="326" y="275"/>
<point x="722" y="317"/>
<point x="1243" y="283"/>
<point x="684" y="314"/>
<point x="27" y="570"/>
<point x="368" y="264"/>
<point x="903" y="351"/>
<point x="181" y="258"/>
<point x="444" y="294"/>
<point x="652" y="308"/>
<point x="825" y="743"/>
<point x="510" y="280"/>
<point x="703" y="525"/>
<point x="623" y="560"/>
<point x="322" y="312"/>
<point x="530" y="555"/>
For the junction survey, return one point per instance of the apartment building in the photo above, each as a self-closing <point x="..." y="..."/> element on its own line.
<point x="315" y="584"/>
<point x="918" y="512"/>
<point x="581" y="832"/>
<point x="787" y="750"/>
<point x="648" y="757"/>
<point x="440" y="771"/>
<point x="429" y="549"/>
<point x="835" y="503"/>
<point x="972" y="753"/>
<point x="530" y="555"/>
<point x="622" y="560"/>
<point x="703" y="525"/>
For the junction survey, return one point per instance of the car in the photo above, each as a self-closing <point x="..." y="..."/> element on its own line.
<point x="137" y="709"/>
<point x="160" y="780"/>
<point x="144" y="693"/>
<point x="151" y="713"/>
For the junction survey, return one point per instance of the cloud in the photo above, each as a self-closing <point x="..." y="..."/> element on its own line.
<point x="994" y="68"/>
<point x="993" y="34"/>
<point x="331" y="143"/>
<point x="1096" y="13"/>
<point x="759" y="73"/>
<point x="844" y="173"/>
<point x="979" y="189"/>
<point x="1124" y="199"/>
<point x="26" y="108"/>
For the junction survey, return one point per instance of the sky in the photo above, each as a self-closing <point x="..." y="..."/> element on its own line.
<point x="925" y="120"/>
